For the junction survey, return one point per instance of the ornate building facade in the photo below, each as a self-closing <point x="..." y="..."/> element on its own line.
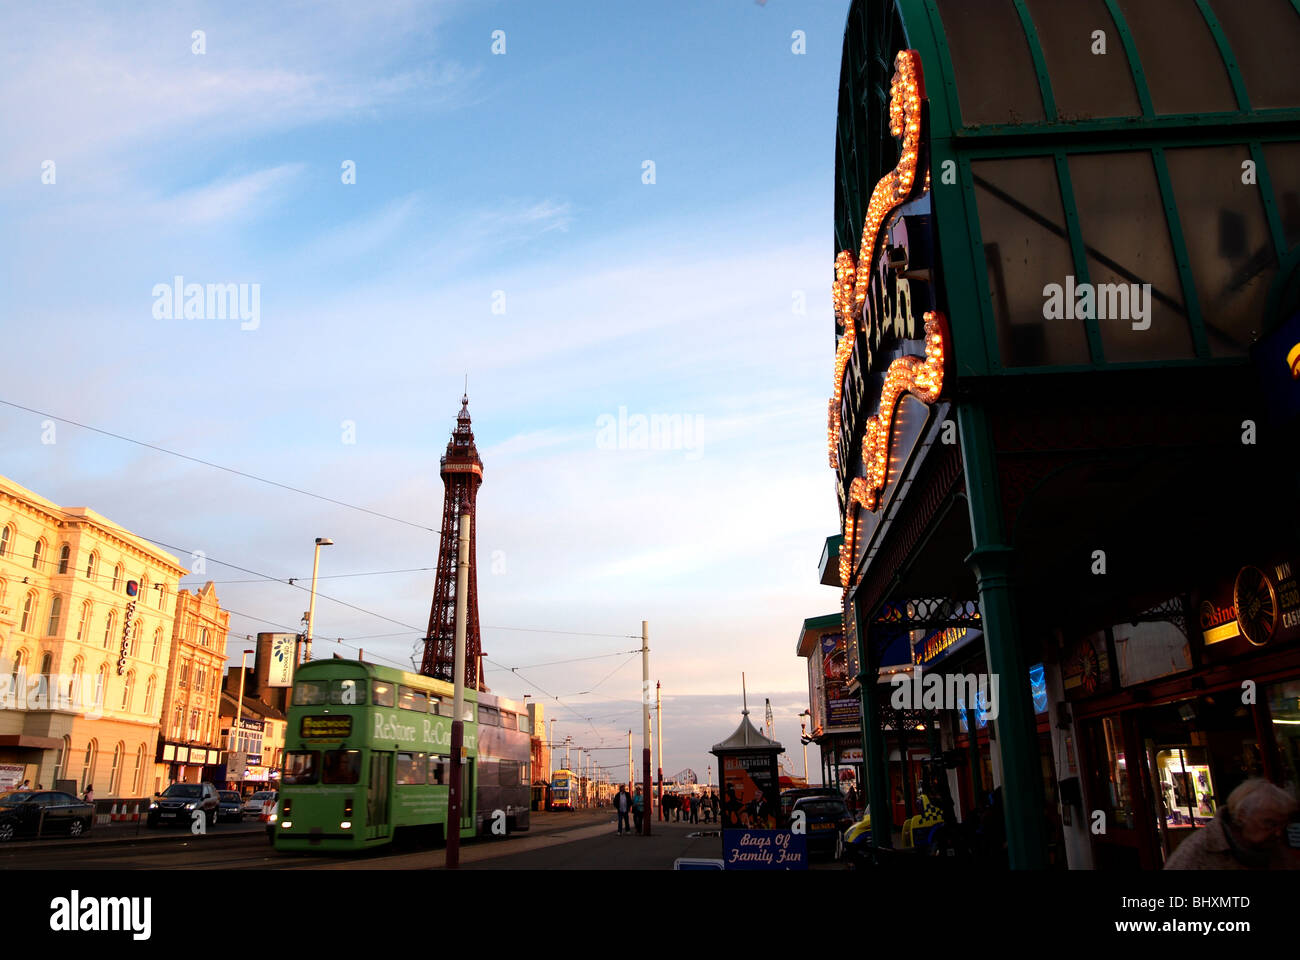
<point x="189" y="736"/>
<point x="85" y="636"/>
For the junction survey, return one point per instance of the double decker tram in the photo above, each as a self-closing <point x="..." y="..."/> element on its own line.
<point x="563" y="786"/>
<point x="367" y="756"/>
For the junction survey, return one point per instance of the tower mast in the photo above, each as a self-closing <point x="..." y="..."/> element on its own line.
<point x="462" y="474"/>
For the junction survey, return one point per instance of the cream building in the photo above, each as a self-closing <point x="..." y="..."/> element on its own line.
<point x="189" y="735"/>
<point x="83" y="664"/>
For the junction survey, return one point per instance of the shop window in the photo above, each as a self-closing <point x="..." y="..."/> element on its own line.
<point x="1284" y="710"/>
<point x="1084" y="84"/>
<point x="1183" y="68"/>
<point x="995" y="76"/>
<point x="1025" y="249"/>
<point x="1126" y="235"/>
<point x="1117" y="797"/>
<point x="1263" y="34"/>
<point x="1228" y="243"/>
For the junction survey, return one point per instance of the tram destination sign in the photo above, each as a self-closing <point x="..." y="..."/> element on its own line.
<point x="325" y="728"/>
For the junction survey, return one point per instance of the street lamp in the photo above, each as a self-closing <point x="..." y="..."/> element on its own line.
<point x="803" y="736"/>
<point x="311" y="606"/>
<point x="239" y="713"/>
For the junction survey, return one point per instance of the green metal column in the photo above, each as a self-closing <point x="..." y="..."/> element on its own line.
<point x="875" y="759"/>
<point x="991" y="559"/>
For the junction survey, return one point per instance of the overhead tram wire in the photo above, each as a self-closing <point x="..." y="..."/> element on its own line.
<point x="217" y="466"/>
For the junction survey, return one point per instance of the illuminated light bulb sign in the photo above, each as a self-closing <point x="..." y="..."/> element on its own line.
<point x="852" y="279"/>
<point x="923" y="378"/>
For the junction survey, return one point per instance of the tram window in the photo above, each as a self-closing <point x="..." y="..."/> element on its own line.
<point x="438" y="767"/>
<point x="467" y="712"/>
<point x="489" y="716"/>
<point x="410" y="699"/>
<point x="342" y="766"/>
<point x="439" y="707"/>
<point x="347" y="692"/>
<point x="382" y="692"/>
<point x="308" y="693"/>
<point x="411" y="768"/>
<point x="300" y="766"/>
<point x="509" y="720"/>
<point x="523" y="723"/>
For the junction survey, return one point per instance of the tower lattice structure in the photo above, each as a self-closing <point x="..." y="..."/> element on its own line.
<point x="462" y="474"/>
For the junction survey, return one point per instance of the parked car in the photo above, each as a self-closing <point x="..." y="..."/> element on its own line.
<point x="827" y="819"/>
<point x="270" y="817"/>
<point x="788" y="798"/>
<point x="253" y="805"/>
<point x="30" y="813"/>
<point x="229" y="806"/>
<point x="178" y="803"/>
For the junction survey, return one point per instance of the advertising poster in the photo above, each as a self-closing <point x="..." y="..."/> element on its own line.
<point x="283" y="647"/>
<point x="750" y="791"/>
<point x="764" y="850"/>
<point x="842" y="708"/>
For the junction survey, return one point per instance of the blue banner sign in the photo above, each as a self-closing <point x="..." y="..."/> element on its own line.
<point x="764" y="850"/>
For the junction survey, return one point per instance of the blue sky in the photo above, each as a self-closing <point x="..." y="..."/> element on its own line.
<point x="475" y="173"/>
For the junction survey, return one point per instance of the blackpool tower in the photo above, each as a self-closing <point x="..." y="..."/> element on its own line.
<point x="462" y="473"/>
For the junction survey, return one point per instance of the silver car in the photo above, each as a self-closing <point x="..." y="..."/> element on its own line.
<point x="253" y="805"/>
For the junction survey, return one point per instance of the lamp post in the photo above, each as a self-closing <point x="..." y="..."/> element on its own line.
<point x="455" y="786"/>
<point x="239" y="712"/>
<point x="311" y="605"/>
<point x="803" y="736"/>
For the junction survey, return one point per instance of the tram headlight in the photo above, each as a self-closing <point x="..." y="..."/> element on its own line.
<point x="286" y="825"/>
<point x="345" y="825"/>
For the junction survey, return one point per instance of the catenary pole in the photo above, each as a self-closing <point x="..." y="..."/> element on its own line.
<point x="645" y="721"/>
<point x="454" y="799"/>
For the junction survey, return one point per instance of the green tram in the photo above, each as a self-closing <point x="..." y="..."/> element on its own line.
<point x="367" y="757"/>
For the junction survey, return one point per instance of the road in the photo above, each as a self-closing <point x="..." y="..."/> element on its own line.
<point x="558" y="840"/>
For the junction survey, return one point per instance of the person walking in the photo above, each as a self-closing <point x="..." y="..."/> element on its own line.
<point x="638" y="808"/>
<point x="89" y="795"/>
<point x="623" y="803"/>
<point x="695" y="809"/>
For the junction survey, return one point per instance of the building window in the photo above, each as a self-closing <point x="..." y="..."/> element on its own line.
<point x="194" y="724"/>
<point x="184" y="680"/>
<point x="162" y="597"/>
<point x="157" y="644"/>
<point x="148" y="695"/>
<point x="117" y="576"/>
<point x="56" y="613"/>
<point x="20" y="661"/>
<point x="4" y="541"/>
<point x="64" y="759"/>
<point x="73" y="688"/>
<point x="90" y="566"/>
<point x="137" y="781"/>
<point x="88" y="765"/>
<point x="47" y="664"/>
<point x="135" y="640"/>
<point x="176" y="723"/>
<point x="64" y="553"/>
<point x="29" y="613"/>
<point x="36" y="553"/>
<point x="109" y="623"/>
<point x="128" y="690"/>
<point x="85" y="619"/>
<point x="203" y="636"/>
<point x="115" y="774"/>
<point x="101" y="685"/>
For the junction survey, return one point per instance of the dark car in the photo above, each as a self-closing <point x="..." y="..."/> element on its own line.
<point x="229" y="806"/>
<point x="30" y="813"/>
<point x="788" y="798"/>
<point x="826" y="819"/>
<point x="181" y="801"/>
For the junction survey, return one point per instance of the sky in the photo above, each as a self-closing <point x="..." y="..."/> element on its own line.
<point x="595" y="212"/>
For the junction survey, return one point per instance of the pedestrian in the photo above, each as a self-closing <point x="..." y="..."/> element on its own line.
<point x="695" y="810"/>
<point x="851" y="800"/>
<point x="1245" y="834"/>
<point x="623" y="803"/>
<point x="713" y="798"/>
<point x="686" y="808"/>
<point x="637" y="809"/>
<point x="25" y="785"/>
<point x="89" y="795"/>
